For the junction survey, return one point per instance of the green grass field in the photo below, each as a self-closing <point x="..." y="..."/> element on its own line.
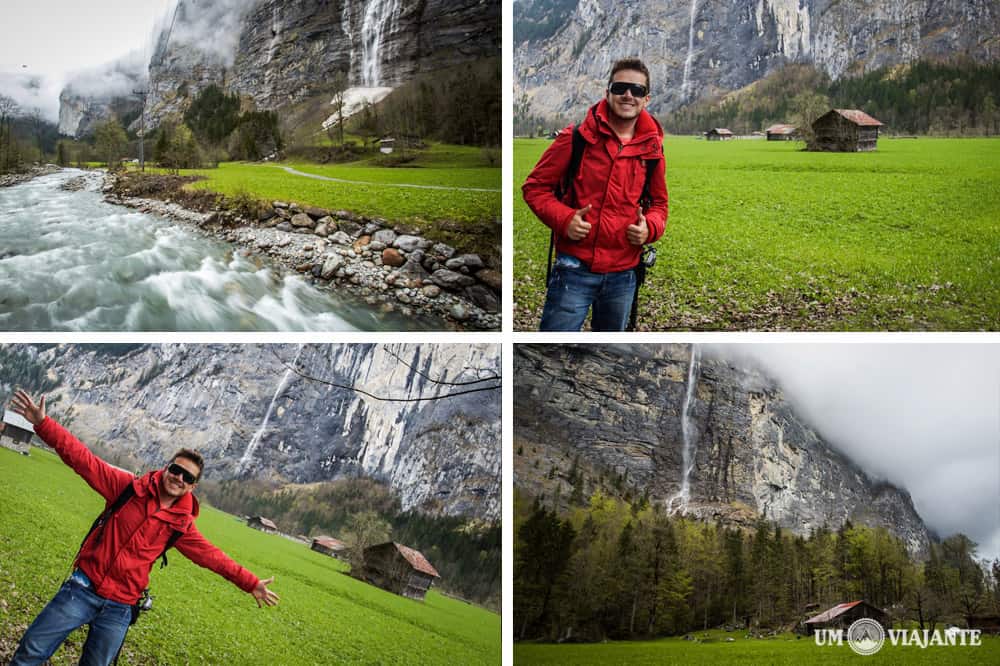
<point x="439" y="166"/>
<point x="199" y="618"/>
<point x="785" y="649"/>
<point x="765" y="236"/>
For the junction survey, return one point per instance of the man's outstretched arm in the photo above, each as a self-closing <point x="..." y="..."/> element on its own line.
<point x="194" y="546"/>
<point x="99" y="475"/>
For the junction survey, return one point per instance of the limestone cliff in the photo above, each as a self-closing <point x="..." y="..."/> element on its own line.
<point x="617" y="413"/>
<point x="700" y="48"/>
<point x="252" y="417"/>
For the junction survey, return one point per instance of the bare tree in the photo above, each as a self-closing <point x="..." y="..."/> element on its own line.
<point x="339" y="84"/>
<point x="8" y="109"/>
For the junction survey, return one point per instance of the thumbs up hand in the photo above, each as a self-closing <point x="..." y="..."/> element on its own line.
<point x="578" y="228"/>
<point x="638" y="233"/>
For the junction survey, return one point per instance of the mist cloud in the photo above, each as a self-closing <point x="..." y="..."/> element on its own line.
<point x="925" y="417"/>
<point x="210" y="26"/>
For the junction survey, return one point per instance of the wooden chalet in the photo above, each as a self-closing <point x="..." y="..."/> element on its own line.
<point x="329" y="546"/>
<point x="263" y="524"/>
<point x="16" y="432"/>
<point x="845" y="131"/>
<point x="842" y="615"/>
<point x="718" y="134"/>
<point x="399" y="569"/>
<point x="988" y="624"/>
<point x="781" y="132"/>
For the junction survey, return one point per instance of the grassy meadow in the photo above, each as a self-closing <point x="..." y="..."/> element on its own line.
<point x="374" y="189"/>
<point x="783" y="649"/>
<point x="200" y="618"/>
<point x="765" y="236"/>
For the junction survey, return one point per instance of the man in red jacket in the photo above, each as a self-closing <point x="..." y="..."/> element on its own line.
<point x="599" y="226"/>
<point x="112" y="567"/>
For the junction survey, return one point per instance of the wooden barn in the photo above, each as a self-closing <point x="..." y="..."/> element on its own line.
<point x="16" y="432"/>
<point x="845" y="131"/>
<point x="781" y="132"/>
<point x="718" y="134"/>
<point x="842" y="615"/>
<point x="399" y="569"/>
<point x="263" y="524"/>
<point x="329" y="546"/>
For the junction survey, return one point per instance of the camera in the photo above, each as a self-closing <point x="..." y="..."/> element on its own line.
<point x="649" y="256"/>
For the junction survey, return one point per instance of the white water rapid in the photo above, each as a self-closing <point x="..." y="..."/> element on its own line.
<point x="381" y="17"/>
<point x="688" y="434"/>
<point x="686" y="83"/>
<point x="247" y="456"/>
<point x="70" y="261"/>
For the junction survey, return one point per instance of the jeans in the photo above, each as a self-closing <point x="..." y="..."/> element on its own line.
<point x="74" y="606"/>
<point x="573" y="290"/>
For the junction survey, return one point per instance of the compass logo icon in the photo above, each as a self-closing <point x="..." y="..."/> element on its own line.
<point x="865" y="636"/>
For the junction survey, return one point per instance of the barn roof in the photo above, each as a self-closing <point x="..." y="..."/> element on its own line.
<point x="858" y="117"/>
<point x="416" y="560"/>
<point x="330" y="542"/>
<point x="834" y="612"/>
<point x="16" y="420"/>
<point x="719" y="130"/>
<point x="265" y="522"/>
<point x="781" y="128"/>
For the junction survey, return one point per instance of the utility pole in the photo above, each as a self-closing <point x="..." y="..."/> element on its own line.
<point x="142" y="94"/>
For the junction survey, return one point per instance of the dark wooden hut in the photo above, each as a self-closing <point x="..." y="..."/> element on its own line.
<point x="845" y="131"/>
<point x="781" y="132"/>
<point x="263" y="524"/>
<point x="988" y="624"/>
<point x="329" y="546"/>
<point x="842" y="615"/>
<point x="399" y="569"/>
<point x="718" y="134"/>
<point x="16" y="432"/>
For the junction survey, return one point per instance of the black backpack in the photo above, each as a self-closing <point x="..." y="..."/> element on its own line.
<point x="564" y="192"/>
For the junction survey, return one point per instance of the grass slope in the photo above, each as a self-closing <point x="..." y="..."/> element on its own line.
<point x="764" y="236"/>
<point x="784" y="649"/>
<point x="440" y="165"/>
<point x="200" y="618"/>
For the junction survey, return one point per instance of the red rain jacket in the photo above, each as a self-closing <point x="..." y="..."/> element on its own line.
<point x="610" y="178"/>
<point x="136" y="534"/>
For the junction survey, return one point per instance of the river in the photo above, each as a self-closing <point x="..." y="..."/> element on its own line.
<point x="70" y="261"/>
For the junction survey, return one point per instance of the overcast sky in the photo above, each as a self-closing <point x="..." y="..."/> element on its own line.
<point x="924" y="416"/>
<point x="46" y="40"/>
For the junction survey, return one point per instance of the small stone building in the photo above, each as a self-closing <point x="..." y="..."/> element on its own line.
<point x="399" y="569"/>
<point x="718" y="134"/>
<point x="329" y="546"/>
<point x="263" y="524"/>
<point x="781" y="132"/>
<point x="842" y="615"/>
<point x="16" y="432"/>
<point x="845" y="131"/>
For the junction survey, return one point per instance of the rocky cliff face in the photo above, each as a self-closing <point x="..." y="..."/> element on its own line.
<point x="618" y="413"/>
<point x="252" y="417"/>
<point x="700" y="48"/>
<point x="277" y="52"/>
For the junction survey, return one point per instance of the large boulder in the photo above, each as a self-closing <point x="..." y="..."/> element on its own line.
<point x="384" y="236"/>
<point x="451" y="280"/>
<point x="333" y="263"/>
<point x="303" y="221"/>
<point x="392" y="257"/>
<point x="407" y="243"/>
<point x="483" y="297"/>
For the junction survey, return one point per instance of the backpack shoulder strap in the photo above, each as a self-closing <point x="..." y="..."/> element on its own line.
<point x="126" y="494"/>
<point x="564" y="188"/>
<point x="646" y="199"/>
<point x="174" y="536"/>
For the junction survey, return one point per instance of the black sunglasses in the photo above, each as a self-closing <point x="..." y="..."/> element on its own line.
<point x="177" y="470"/>
<point x="619" y="88"/>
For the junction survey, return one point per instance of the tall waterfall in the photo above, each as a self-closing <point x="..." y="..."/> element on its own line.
<point x="686" y="83"/>
<point x="244" y="462"/>
<point x="381" y="17"/>
<point x="688" y="434"/>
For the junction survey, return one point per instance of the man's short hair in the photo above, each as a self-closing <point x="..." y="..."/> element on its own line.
<point x="193" y="456"/>
<point x="633" y="64"/>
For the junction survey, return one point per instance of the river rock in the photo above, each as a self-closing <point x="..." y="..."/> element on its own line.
<point x="451" y="280"/>
<point x="407" y="243"/>
<point x="284" y="226"/>
<point x="385" y="236"/>
<point x="376" y="246"/>
<point x="459" y="312"/>
<point x="483" y="297"/>
<point x="491" y="278"/>
<point x="353" y="229"/>
<point x="333" y="263"/>
<point x="279" y="204"/>
<point x="371" y="228"/>
<point x="322" y="230"/>
<point x="392" y="257"/>
<point x="283" y="213"/>
<point x="315" y="213"/>
<point x="303" y="220"/>
<point x="340" y="238"/>
<point x="344" y="215"/>
<point x="431" y="291"/>
<point x="266" y="215"/>
<point x="443" y="251"/>
<point x="362" y="243"/>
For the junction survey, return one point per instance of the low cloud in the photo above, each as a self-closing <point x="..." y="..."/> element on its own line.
<point x="924" y="416"/>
